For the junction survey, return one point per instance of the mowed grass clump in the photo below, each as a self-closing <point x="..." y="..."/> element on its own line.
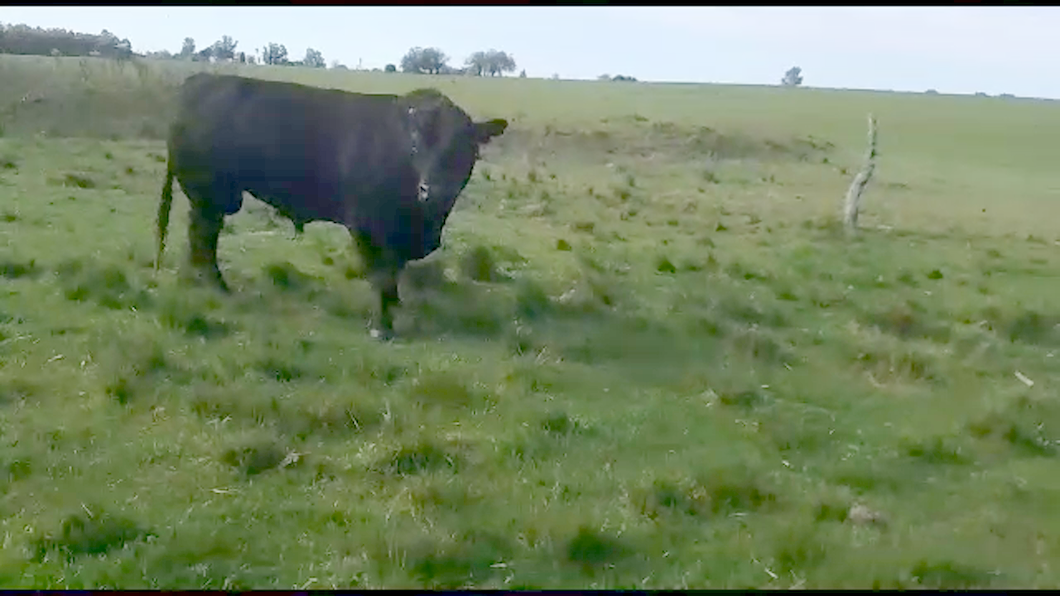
<point x="646" y="356"/>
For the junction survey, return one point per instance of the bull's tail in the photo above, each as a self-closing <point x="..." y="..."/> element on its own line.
<point x="163" y="212"/>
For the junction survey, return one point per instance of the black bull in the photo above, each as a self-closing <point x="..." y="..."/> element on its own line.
<point x="387" y="167"/>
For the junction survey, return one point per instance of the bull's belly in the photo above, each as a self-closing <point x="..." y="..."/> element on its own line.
<point x="383" y="223"/>
<point x="299" y="204"/>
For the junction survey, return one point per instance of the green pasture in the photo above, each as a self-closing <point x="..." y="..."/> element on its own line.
<point x="646" y="355"/>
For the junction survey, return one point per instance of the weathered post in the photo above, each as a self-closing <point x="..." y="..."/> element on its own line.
<point x="857" y="187"/>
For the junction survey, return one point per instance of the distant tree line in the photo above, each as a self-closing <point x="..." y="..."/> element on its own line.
<point x="617" y="78"/>
<point x="26" y="40"/>
<point x="23" y="39"/>
<point x="433" y="61"/>
<point x="224" y="50"/>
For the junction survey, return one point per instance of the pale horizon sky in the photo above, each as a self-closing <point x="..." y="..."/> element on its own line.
<point x="951" y="49"/>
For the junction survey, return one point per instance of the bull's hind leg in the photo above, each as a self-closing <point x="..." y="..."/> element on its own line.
<point x="204" y="230"/>
<point x="206" y="218"/>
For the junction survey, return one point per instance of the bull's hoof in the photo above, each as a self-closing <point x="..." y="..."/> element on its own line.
<point x="381" y="334"/>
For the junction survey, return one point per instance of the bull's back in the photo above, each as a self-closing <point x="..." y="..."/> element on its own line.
<point x="279" y="126"/>
<point x="304" y="148"/>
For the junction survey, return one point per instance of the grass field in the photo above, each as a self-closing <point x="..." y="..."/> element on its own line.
<point x="645" y="357"/>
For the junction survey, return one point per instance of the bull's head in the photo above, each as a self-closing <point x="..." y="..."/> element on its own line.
<point x="445" y="144"/>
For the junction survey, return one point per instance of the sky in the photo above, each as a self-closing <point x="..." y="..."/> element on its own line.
<point x="959" y="49"/>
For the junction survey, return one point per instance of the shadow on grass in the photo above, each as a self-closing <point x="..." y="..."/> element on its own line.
<point x="593" y="322"/>
<point x="106" y="284"/>
<point x="89" y="535"/>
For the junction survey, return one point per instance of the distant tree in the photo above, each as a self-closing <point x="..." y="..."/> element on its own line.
<point x="500" y="62"/>
<point x="22" y="39"/>
<point x="314" y="59"/>
<point x="251" y="59"/>
<point x="931" y="92"/>
<point x="336" y="65"/>
<point x="624" y="78"/>
<point x="433" y="60"/>
<point x="188" y="49"/>
<point x="491" y="62"/>
<point x="274" y="54"/>
<point x="522" y="74"/>
<point x="555" y="76"/>
<point x="424" y="61"/>
<point x="476" y="63"/>
<point x="106" y="41"/>
<point x="792" y="78"/>
<point x="390" y="68"/>
<point x="225" y="48"/>
<point x="123" y="50"/>
<point x="604" y="77"/>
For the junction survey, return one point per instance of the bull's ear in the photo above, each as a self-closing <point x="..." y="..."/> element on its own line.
<point x="484" y="131"/>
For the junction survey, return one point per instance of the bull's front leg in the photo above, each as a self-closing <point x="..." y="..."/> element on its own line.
<point x="383" y="269"/>
<point x="386" y="283"/>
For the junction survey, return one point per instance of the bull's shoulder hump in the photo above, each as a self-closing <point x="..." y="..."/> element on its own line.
<point x="425" y="92"/>
<point x="205" y="81"/>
